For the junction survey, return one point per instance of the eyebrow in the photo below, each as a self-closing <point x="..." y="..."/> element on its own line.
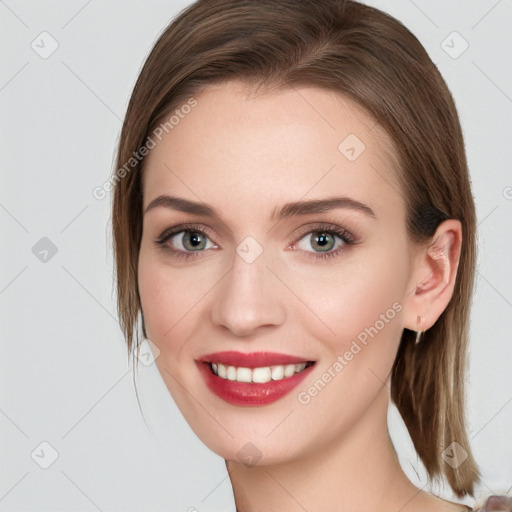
<point x="287" y="210"/>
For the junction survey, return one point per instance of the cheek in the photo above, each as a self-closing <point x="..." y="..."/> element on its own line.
<point x="370" y="306"/>
<point x="361" y="304"/>
<point x="173" y="301"/>
<point x="355" y="294"/>
<point x="165" y="300"/>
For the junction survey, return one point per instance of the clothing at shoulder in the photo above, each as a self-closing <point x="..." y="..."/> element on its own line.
<point x="496" y="503"/>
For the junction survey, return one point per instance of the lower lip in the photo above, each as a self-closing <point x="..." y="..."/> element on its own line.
<point x="250" y="393"/>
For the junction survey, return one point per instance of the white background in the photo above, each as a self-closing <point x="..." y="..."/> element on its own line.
<point x="65" y="376"/>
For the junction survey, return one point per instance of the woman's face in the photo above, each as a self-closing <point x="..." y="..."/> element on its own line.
<point x="268" y="271"/>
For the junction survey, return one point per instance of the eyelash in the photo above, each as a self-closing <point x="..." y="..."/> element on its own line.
<point x="346" y="236"/>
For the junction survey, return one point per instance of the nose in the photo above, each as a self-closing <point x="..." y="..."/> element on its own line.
<point x="248" y="298"/>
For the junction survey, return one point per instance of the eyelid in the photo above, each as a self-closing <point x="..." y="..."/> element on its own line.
<point x="175" y="230"/>
<point x="344" y="234"/>
<point x="339" y="231"/>
<point x="169" y="233"/>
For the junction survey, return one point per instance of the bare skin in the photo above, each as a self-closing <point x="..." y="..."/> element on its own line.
<point x="246" y="157"/>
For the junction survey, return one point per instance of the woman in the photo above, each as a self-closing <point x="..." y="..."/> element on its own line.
<point x="294" y="222"/>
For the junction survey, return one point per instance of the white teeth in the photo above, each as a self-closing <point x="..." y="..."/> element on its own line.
<point x="259" y="375"/>
<point x="289" y="370"/>
<point x="277" y="372"/>
<point x="243" y="375"/>
<point x="262" y="375"/>
<point x="231" y="373"/>
<point x="221" y="370"/>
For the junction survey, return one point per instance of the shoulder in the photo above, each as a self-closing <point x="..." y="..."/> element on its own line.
<point x="426" y="502"/>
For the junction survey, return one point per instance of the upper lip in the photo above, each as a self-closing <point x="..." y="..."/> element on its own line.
<point x="251" y="359"/>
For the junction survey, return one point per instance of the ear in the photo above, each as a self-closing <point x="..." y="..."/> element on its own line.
<point x="433" y="277"/>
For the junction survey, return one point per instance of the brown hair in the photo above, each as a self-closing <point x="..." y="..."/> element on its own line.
<point x="371" y="58"/>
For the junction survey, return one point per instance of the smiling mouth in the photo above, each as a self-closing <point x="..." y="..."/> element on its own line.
<point x="259" y="375"/>
<point x="254" y="378"/>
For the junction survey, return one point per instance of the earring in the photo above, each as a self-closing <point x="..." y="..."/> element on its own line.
<point x="419" y="321"/>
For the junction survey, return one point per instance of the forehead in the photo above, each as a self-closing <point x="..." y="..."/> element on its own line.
<point x="240" y="150"/>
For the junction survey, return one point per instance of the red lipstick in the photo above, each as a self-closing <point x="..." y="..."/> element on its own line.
<point x="252" y="393"/>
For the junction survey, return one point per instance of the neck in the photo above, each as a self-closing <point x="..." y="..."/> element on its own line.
<point x="360" y="472"/>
